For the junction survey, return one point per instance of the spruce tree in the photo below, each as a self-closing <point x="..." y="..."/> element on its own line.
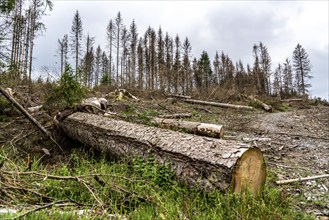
<point x="76" y="38"/>
<point x="302" y="67"/>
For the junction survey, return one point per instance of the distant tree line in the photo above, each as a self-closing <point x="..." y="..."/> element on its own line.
<point x="153" y="60"/>
<point x="20" y="24"/>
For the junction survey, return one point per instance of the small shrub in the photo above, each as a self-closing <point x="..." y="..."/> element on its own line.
<point x="68" y="92"/>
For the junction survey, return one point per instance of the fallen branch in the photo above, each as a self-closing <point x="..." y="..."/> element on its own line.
<point x="178" y="115"/>
<point x="292" y="100"/>
<point x="245" y="139"/>
<point x="203" y="109"/>
<point x="28" y="116"/>
<point x="281" y="182"/>
<point x="41" y="207"/>
<point x="165" y="108"/>
<point x="34" y="109"/>
<point x="100" y="202"/>
<point x="180" y="96"/>
<point x="223" y="105"/>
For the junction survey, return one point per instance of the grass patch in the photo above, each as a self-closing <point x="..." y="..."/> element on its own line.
<point x="138" y="189"/>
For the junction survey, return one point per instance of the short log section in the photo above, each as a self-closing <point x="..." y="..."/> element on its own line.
<point x="199" y="161"/>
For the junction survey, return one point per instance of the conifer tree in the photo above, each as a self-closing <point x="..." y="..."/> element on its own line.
<point x="186" y="77"/>
<point x="169" y="59"/>
<point x="98" y="63"/>
<point x="140" y="56"/>
<point x="177" y="64"/>
<point x="160" y="58"/>
<point x="265" y="65"/>
<point x="118" y="28"/>
<point x="302" y="67"/>
<point x="76" y="38"/>
<point x="63" y="51"/>
<point x="287" y="78"/>
<point x="205" y="70"/>
<point x="216" y="68"/>
<point x="110" y="38"/>
<point x="277" y="83"/>
<point x="133" y="51"/>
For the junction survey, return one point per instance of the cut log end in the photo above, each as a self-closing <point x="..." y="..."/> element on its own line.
<point x="249" y="172"/>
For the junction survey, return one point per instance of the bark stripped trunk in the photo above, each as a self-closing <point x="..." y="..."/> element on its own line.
<point x="223" y="105"/>
<point x="205" y="162"/>
<point x="204" y="129"/>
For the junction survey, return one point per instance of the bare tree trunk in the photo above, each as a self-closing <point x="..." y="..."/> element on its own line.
<point x="204" y="162"/>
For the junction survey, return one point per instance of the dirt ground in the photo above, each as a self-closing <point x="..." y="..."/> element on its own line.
<point x="295" y="143"/>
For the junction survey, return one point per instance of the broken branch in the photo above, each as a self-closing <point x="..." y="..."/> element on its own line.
<point x="281" y="182"/>
<point x="28" y="116"/>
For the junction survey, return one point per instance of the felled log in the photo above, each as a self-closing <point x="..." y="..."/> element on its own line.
<point x="178" y="115"/>
<point x="205" y="162"/>
<point x="292" y="100"/>
<point x="180" y="96"/>
<point x="204" y="129"/>
<point x="218" y="104"/>
<point x="266" y="107"/>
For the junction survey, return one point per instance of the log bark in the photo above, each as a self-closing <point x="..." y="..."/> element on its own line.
<point x="266" y="107"/>
<point x="204" y="162"/>
<point x="204" y="129"/>
<point x="218" y="104"/>
<point x="180" y="96"/>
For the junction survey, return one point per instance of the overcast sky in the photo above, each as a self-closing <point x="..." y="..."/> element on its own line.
<point x="229" y="26"/>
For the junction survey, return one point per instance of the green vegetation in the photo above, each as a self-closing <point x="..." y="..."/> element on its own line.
<point x="138" y="189"/>
<point x="68" y="92"/>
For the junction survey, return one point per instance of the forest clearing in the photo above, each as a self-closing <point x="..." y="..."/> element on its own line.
<point x="36" y="174"/>
<point x="192" y="110"/>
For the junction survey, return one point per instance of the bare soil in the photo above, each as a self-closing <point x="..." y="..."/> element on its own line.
<point x="295" y="143"/>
